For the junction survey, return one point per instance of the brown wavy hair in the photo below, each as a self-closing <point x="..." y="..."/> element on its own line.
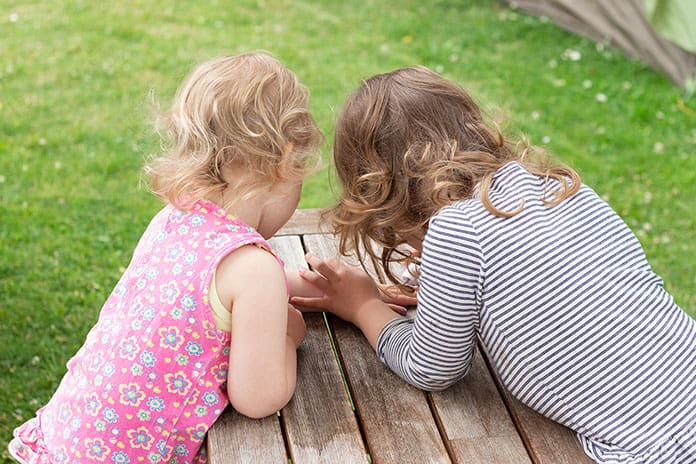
<point x="248" y="113"/>
<point x="410" y="142"/>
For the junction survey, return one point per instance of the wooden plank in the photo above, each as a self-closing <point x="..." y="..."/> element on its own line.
<point x="305" y="221"/>
<point x="548" y="442"/>
<point x="475" y="421"/>
<point x="396" y="417"/>
<point x="319" y="421"/>
<point x="236" y="438"/>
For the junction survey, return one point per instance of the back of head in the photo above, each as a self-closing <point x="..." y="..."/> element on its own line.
<point x="245" y="114"/>
<point x="408" y="143"/>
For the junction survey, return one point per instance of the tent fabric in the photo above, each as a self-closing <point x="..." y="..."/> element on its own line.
<point x="625" y="25"/>
<point x="675" y="20"/>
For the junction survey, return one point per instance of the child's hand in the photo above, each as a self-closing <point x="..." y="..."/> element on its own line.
<point x="345" y="289"/>
<point x="297" y="330"/>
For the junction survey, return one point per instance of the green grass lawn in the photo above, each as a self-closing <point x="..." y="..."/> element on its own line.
<point x="76" y="79"/>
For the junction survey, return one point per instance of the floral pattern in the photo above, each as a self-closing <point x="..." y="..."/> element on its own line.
<point x="150" y="379"/>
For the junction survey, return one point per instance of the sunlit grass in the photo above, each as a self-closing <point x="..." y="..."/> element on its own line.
<point x="75" y="85"/>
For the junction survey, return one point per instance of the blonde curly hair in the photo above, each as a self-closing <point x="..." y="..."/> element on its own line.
<point x="410" y="142"/>
<point x="247" y="114"/>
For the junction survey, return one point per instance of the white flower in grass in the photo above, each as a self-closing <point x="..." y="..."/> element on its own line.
<point x="545" y="139"/>
<point x="600" y="97"/>
<point x="647" y="197"/>
<point x="439" y="69"/>
<point x="2" y="179"/>
<point x="626" y="85"/>
<point x="660" y="115"/>
<point x="42" y="141"/>
<point x="535" y="115"/>
<point x="14" y="17"/>
<point x="587" y="83"/>
<point x="659" y="147"/>
<point x="572" y="55"/>
<point x="558" y="82"/>
<point x="57" y="165"/>
<point x="553" y="64"/>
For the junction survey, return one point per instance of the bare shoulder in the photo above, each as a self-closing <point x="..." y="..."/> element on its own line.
<point x="248" y="269"/>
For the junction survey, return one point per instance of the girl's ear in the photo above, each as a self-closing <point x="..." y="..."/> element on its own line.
<point x="297" y="164"/>
<point x="284" y="167"/>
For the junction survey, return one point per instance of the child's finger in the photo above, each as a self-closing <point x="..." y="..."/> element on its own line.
<point x="307" y="304"/>
<point x="314" y="278"/>
<point x="325" y="268"/>
<point x="401" y="299"/>
<point x="398" y="309"/>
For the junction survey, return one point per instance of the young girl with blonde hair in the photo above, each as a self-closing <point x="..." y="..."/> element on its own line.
<point x="200" y="318"/>
<point x="512" y="250"/>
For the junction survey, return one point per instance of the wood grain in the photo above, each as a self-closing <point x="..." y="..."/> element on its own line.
<point x="236" y="438"/>
<point x="305" y="221"/>
<point x="475" y="421"/>
<point x="319" y="420"/>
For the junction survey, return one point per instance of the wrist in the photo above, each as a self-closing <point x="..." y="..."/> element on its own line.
<point x="364" y="310"/>
<point x="371" y="317"/>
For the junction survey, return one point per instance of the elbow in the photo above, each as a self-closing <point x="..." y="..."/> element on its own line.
<point x="257" y="405"/>
<point x="427" y="380"/>
<point x="432" y="384"/>
<point x="254" y="411"/>
<point x="257" y="409"/>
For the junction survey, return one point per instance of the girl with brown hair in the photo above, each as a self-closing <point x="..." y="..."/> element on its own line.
<point x="513" y="250"/>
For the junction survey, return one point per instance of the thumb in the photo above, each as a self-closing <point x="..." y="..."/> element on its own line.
<point x="309" y="304"/>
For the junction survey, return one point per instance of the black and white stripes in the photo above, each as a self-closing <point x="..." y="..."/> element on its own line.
<point x="578" y="326"/>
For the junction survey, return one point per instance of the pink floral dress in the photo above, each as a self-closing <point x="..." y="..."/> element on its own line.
<point x="150" y="378"/>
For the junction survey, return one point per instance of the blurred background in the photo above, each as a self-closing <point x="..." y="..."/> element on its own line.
<point x="78" y="80"/>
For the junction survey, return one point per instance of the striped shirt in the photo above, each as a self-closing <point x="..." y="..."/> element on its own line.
<point x="578" y="326"/>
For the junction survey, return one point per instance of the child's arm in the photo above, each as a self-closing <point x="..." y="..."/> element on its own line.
<point x="262" y="368"/>
<point x="299" y="286"/>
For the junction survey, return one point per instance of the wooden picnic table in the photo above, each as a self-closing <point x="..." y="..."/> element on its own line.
<point x="350" y="408"/>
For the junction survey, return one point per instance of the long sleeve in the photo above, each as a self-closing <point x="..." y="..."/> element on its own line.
<point x="434" y="350"/>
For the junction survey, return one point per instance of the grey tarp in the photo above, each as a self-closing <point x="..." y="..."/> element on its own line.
<point x="622" y="23"/>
